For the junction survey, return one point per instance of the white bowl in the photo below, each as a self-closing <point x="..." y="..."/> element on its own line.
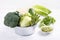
<point x="46" y="33"/>
<point x="25" y="31"/>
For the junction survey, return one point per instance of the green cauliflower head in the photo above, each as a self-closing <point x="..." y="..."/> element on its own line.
<point x="25" y="20"/>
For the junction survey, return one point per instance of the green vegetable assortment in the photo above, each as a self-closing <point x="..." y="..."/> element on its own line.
<point x="13" y="19"/>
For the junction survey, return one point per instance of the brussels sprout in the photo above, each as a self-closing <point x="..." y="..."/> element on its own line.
<point x="46" y="29"/>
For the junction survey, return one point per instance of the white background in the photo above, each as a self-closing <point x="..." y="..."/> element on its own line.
<point x="12" y="5"/>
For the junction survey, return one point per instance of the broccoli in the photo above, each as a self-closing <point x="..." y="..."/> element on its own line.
<point x="11" y="19"/>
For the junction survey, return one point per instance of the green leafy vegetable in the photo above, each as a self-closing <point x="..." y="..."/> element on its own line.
<point x="48" y="20"/>
<point x="34" y="16"/>
<point x="11" y="19"/>
<point x="31" y="11"/>
<point x="41" y="13"/>
<point x="41" y="10"/>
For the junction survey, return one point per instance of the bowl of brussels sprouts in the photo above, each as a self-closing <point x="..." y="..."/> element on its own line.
<point x="45" y="30"/>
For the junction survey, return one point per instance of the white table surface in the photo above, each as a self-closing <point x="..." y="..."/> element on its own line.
<point x="7" y="33"/>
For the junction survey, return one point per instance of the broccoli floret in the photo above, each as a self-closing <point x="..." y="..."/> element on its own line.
<point x="11" y="19"/>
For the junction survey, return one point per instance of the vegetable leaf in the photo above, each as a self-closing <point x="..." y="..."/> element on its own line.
<point x="41" y="10"/>
<point x="34" y="16"/>
<point x="48" y="20"/>
<point x="31" y="11"/>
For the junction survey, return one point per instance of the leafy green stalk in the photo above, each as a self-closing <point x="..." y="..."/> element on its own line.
<point x="35" y="17"/>
<point x="41" y="10"/>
